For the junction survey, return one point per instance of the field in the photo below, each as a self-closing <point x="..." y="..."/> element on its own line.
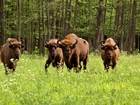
<point x="30" y="85"/>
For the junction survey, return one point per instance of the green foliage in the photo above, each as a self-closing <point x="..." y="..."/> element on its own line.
<point x="30" y="10"/>
<point x="30" y="85"/>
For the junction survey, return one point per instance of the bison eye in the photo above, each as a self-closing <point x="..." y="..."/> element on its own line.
<point x="55" y="47"/>
<point x="72" y="46"/>
<point x="19" y="47"/>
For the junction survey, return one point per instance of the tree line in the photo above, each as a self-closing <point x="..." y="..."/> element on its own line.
<point x="36" y="21"/>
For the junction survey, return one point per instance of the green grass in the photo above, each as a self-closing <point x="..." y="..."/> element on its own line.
<point x="30" y="85"/>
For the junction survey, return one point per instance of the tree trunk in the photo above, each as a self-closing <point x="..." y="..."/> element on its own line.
<point x="43" y="29"/>
<point x="89" y="24"/>
<point x="66" y="19"/>
<point x="121" y="42"/>
<point x="53" y="24"/>
<point x="39" y="28"/>
<point x="48" y="21"/>
<point x="18" y="36"/>
<point x="69" y="17"/>
<point x="116" y="25"/>
<point x="75" y="15"/>
<point x="133" y="25"/>
<point x="63" y="19"/>
<point x="129" y="23"/>
<point x="100" y="25"/>
<point x="2" y="23"/>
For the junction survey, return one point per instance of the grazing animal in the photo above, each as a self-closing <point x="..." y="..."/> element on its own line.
<point x="75" y="50"/>
<point x="110" y="53"/>
<point x="10" y="53"/>
<point x="55" y="54"/>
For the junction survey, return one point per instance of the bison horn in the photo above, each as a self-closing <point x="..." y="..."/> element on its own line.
<point x="10" y="43"/>
<point x="73" y="46"/>
<point x="75" y="42"/>
<point x="46" y="44"/>
<point x="58" y="42"/>
<point x="22" y="41"/>
<point x="114" y="47"/>
<point x="102" y="43"/>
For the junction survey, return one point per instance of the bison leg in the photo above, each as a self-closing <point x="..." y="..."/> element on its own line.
<point x="13" y="70"/>
<point x="58" y="65"/>
<point x="80" y="66"/>
<point x="113" y="66"/>
<point x="47" y="64"/>
<point x="76" y="69"/>
<point x="6" y="69"/>
<point x="85" y="63"/>
<point x="106" y="67"/>
<point x="14" y="66"/>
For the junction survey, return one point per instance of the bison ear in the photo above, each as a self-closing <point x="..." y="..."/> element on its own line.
<point x="103" y="48"/>
<point x="114" y="47"/>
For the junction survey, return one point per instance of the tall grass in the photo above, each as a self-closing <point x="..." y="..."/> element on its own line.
<point x="30" y="85"/>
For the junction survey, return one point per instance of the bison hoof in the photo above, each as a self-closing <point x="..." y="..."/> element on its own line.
<point x="85" y="70"/>
<point x="46" y="70"/>
<point x="6" y="73"/>
<point x="77" y="71"/>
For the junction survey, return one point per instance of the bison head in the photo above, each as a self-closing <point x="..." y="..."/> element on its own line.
<point x="16" y="47"/>
<point x="67" y="46"/>
<point x="109" y="50"/>
<point x="52" y="45"/>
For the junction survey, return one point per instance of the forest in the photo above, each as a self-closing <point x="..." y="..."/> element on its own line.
<point x="37" y="21"/>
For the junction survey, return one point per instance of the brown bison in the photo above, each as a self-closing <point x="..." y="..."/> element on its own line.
<point x="75" y="50"/>
<point x="10" y="53"/>
<point x="55" y="54"/>
<point x="110" y="53"/>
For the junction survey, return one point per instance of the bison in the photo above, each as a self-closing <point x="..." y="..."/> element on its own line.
<point x="55" y="54"/>
<point x="110" y="53"/>
<point x="10" y="53"/>
<point x="75" y="50"/>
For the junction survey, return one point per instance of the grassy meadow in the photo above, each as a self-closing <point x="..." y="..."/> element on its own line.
<point x="30" y="85"/>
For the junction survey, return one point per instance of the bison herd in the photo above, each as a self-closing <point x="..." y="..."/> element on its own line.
<point x="72" y="51"/>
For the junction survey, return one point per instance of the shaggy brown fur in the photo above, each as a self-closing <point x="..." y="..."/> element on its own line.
<point x="75" y="51"/>
<point x="55" y="54"/>
<point x="10" y="53"/>
<point x="110" y="53"/>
